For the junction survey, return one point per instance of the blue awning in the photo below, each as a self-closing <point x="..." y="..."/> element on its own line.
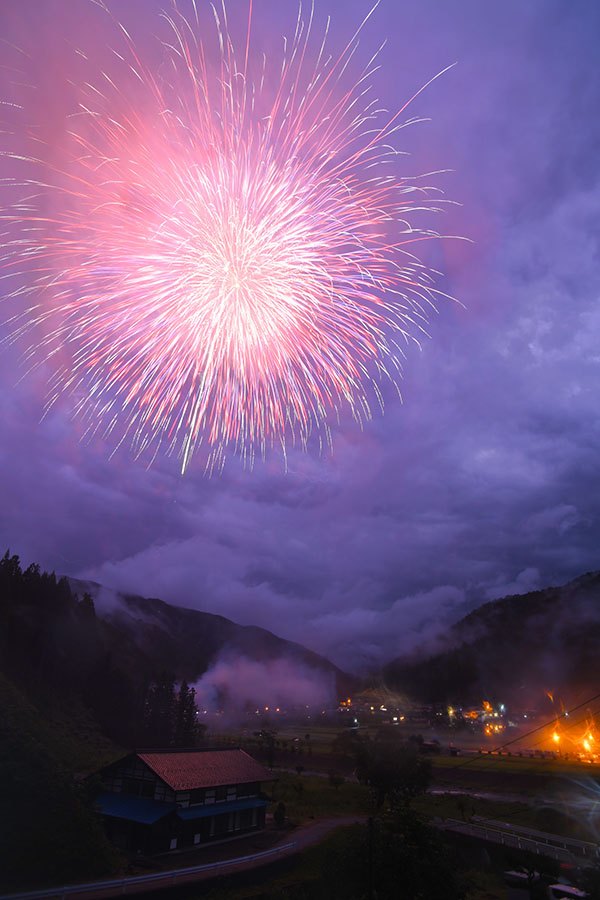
<point x="215" y="809"/>
<point x="135" y="809"/>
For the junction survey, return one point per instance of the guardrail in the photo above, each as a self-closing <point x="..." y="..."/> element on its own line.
<point x="154" y="881"/>
<point x="509" y="839"/>
<point x="586" y="849"/>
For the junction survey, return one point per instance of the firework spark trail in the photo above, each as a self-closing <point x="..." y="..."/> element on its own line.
<point x="221" y="261"/>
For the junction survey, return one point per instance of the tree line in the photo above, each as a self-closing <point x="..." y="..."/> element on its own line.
<point x="62" y="655"/>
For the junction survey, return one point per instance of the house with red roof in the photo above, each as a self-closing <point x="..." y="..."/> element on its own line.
<point x="154" y="801"/>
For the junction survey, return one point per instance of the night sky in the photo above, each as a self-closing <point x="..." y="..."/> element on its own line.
<point x="484" y="480"/>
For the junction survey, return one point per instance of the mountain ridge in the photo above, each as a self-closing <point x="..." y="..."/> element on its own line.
<point x="519" y="647"/>
<point x="189" y="641"/>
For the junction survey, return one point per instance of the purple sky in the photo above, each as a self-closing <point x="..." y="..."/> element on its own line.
<point x="485" y="480"/>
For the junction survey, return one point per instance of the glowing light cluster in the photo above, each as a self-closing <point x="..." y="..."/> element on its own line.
<point x="227" y="257"/>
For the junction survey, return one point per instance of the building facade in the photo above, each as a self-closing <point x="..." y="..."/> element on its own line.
<point x="155" y="801"/>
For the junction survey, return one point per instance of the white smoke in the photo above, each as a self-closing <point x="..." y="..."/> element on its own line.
<point x="237" y="684"/>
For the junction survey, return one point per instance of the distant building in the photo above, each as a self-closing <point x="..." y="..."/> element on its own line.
<point x="159" y="800"/>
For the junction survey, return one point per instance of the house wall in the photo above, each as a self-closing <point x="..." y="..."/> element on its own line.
<point x="133" y="837"/>
<point x="221" y="825"/>
<point x="133" y="777"/>
<point x="221" y="794"/>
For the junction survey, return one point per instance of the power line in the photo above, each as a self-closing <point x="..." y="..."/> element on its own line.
<point x="521" y="737"/>
<point x="497" y="769"/>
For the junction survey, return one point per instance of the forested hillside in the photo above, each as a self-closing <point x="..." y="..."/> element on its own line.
<point x="67" y="659"/>
<point x="189" y="641"/>
<point x="77" y="690"/>
<point x="48" y="831"/>
<point x="515" y="649"/>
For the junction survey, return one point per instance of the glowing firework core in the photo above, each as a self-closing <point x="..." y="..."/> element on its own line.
<point x="229" y="265"/>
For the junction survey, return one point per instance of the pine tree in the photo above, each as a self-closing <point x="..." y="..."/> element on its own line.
<point x="160" y="711"/>
<point x="185" y="718"/>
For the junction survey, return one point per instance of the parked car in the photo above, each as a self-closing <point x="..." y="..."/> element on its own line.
<point x="565" y="892"/>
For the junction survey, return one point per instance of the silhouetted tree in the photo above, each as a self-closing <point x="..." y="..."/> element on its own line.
<point x="186" y="728"/>
<point x="335" y="780"/>
<point x="590" y="881"/>
<point x="279" y="814"/>
<point x="48" y="830"/>
<point x="160" y="711"/>
<point x="86" y="608"/>
<point x="395" y="857"/>
<point x="398" y="773"/>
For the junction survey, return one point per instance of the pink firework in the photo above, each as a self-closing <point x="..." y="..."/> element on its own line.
<point x="227" y="261"/>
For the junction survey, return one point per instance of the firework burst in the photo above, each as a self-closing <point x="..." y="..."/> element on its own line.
<point x="227" y="259"/>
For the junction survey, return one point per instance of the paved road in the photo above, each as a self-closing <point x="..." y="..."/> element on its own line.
<point x="294" y="842"/>
<point x="310" y="834"/>
<point x="515" y="893"/>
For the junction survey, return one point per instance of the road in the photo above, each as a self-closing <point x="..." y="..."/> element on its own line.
<point x="302" y="838"/>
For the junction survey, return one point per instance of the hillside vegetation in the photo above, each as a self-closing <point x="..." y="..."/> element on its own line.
<point x="513" y="650"/>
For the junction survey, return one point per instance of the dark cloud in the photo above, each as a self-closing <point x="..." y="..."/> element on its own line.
<point x="483" y="482"/>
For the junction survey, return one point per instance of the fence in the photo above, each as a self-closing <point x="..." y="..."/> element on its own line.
<point x="155" y="881"/>
<point x="561" y="850"/>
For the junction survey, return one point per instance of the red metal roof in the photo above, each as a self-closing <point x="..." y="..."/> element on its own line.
<point x="189" y="769"/>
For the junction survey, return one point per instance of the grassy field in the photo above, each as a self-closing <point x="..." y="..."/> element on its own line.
<point x="523" y="790"/>
<point x="311" y="797"/>
<point x="308" y="797"/>
<point x="317" y="739"/>
<point x="516" y="764"/>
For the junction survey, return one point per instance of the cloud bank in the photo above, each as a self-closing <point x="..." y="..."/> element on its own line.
<point x="483" y="482"/>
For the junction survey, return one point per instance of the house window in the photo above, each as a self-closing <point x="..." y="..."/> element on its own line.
<point x="162" y="793"/>
<point x="173" y="844"/>
<point x="183" y="798"/>
<point x="209" y="797"/>
<point x="197" y="796"/>
<point x="222" y="824"/>
<point x="231" y="793"/>
<point x="248" y="790"/>
<point x="137" y="788"/>
<point x="196" y="838"/>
